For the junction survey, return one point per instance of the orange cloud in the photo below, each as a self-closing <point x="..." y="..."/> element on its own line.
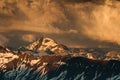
<point x="80" y="22"/>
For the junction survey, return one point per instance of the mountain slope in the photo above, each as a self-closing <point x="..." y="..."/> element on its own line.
<point x="59" y="67"/>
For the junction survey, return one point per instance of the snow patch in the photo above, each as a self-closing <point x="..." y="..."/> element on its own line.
<point x="47" y="43"/>
<point x="7" y="57"/>
<point x="33" y="62"/>
<point x="61" y="63"/>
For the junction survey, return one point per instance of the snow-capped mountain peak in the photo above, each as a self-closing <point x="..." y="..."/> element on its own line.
<point x="48" y="45"/>
<point x="42" y="44"/>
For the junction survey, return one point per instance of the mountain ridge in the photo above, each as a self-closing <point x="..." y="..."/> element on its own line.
<point x="27" y="64"/>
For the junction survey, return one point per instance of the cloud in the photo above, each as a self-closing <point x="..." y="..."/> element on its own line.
<point x="3" y="40"/>
<point x="28" y="38"/>
<point x="104" y="23"/>
<point x="75" y="22"/>
<point x="73" y="31"/>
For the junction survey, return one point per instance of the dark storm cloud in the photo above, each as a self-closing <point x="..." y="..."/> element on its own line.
<point x="81" y="23"/>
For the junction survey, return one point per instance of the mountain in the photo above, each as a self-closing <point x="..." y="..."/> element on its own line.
<point x="47" y="45"/>
<point x="28" y="67"/>
<point x="59" y="63"/>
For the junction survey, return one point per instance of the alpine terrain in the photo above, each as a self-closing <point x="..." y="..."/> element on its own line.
<point x="45" y="59"/>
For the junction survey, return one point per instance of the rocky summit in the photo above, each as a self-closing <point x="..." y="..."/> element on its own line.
<point x="48" y="45"/>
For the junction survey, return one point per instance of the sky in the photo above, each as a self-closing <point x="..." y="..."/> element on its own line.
<point x="75" y="23"/>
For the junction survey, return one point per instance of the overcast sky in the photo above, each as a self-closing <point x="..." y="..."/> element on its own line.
<point x="75" y="23"/>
